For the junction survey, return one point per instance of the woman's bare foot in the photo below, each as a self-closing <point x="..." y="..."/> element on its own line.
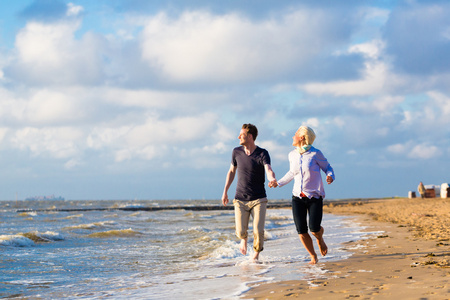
<point x="255" y="256"/>
<point x="243" y="246"/>
<point x="323" y="248"/>
<point x="314" y="260"/>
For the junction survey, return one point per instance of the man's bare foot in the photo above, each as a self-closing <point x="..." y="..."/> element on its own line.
<point x="314" y="260"/>
<point x="243" y="246"/>
<point x="255" y="256"/>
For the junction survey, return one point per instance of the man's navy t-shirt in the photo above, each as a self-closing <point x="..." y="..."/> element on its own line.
<point x="251" y="173"/>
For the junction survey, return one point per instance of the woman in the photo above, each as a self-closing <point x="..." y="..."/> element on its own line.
<point x="305" y="163"/>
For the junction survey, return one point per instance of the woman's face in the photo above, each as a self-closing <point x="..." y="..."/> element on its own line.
<point x="298" y="140"/>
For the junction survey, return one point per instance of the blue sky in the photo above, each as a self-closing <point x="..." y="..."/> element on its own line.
<point x="145" y="99"/>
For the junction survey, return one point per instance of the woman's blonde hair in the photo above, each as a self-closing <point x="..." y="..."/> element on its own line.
<point x="308" y="133"/>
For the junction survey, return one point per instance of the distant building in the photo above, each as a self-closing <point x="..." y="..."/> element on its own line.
<point x="40" y="198"/>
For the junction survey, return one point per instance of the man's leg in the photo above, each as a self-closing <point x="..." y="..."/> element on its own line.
<point x="242" y="217"/>
<point x="259" y="218"/>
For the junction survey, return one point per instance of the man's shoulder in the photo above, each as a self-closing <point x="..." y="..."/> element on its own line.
<point x="258" y="148"/>
<point x="261" y="151"/>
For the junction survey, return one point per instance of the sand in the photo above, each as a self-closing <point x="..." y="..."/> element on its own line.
<point x="409" y="260"/>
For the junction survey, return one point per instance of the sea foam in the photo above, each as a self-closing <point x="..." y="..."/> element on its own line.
<point x="47" y="236"/>
<point x="15" y="241"/>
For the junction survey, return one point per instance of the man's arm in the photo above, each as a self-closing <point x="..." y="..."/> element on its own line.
<point x="270" y="175"/>
<point x="229" y="180"/>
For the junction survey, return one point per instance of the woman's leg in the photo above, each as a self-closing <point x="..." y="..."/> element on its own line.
<point x="300" y="211"/>
<point x="315" y="221"/>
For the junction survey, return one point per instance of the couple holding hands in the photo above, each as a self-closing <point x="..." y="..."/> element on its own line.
<point x="252" y="163"/>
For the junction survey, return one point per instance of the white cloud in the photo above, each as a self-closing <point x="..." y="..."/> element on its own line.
<point x="383" y="104"/>
<point x="72" y="163"/>
<point x="49" y="106"/>
<point x="373" y="80"/>
<point x="415" y="151"/>
<point x="49" y="53"/>
<point x="397" y="148"/>
<point x="45" y="106"/>
<point x="60" y="142"/>
<point x="104" y="137"/>
<point x="74" y="10"/>
<point x="151" y="138"/>
<point x="278" y="153"/>
<point x="372" y="50"/>
<point x="173" y="131"/>
<point x="338" y="121"/>
<point x="46" y="45"/>
<point x="199" y="46"/>
<point x="442" y="102"/>
<point x="312" y="122"/>
<point x="160" y="99"/>
<point x="424" y="151"/>
<point x="3" y="132"/>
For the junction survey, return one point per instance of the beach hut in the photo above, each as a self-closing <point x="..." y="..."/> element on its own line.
<point x="432" y="191"/>
<point x="445" y="190"/>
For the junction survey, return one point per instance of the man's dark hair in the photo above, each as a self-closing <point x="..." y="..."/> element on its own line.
<point x="251" y="129"/>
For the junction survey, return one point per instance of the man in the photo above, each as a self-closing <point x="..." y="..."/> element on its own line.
<point x="251" y="163"/>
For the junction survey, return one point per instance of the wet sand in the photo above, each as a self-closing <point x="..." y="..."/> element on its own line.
<point x="409" y="260"/>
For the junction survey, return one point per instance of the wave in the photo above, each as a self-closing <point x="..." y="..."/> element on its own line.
<point x="129" y="205"/>
<point x="196" y="229"/>
<point x="115" y="233"/>
<point x="15" y="240"/>
<point x="72" y="217"/>
<point x="28" y="214"/>
<point x="91" y="225"/>
<point x="29" y="238"/>
<point x="229" y="249"/>
<point x="43" y="237"/>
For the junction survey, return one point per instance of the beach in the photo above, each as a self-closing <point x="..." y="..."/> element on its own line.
<point x="410" y="260"/>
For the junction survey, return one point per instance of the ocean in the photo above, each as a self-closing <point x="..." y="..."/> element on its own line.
<point x="121" y="250"/>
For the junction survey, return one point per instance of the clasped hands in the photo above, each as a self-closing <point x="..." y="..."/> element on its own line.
<point x="273" y="184"/>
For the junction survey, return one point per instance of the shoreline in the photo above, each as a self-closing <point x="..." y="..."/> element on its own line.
<point x="410" y="260"/>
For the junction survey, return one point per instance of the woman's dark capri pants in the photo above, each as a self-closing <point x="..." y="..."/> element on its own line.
<point x="303" y="206"/>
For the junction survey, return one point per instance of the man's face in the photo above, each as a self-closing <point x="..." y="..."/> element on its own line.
<point x="243" y="137"/>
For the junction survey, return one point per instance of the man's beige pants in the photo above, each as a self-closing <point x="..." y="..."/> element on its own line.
<point x="242" y="211"/>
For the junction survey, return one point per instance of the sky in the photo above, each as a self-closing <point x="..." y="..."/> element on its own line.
<point x="116" y="99"/>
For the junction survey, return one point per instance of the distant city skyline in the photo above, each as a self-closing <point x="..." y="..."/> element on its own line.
<point x="145" y="99"/>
